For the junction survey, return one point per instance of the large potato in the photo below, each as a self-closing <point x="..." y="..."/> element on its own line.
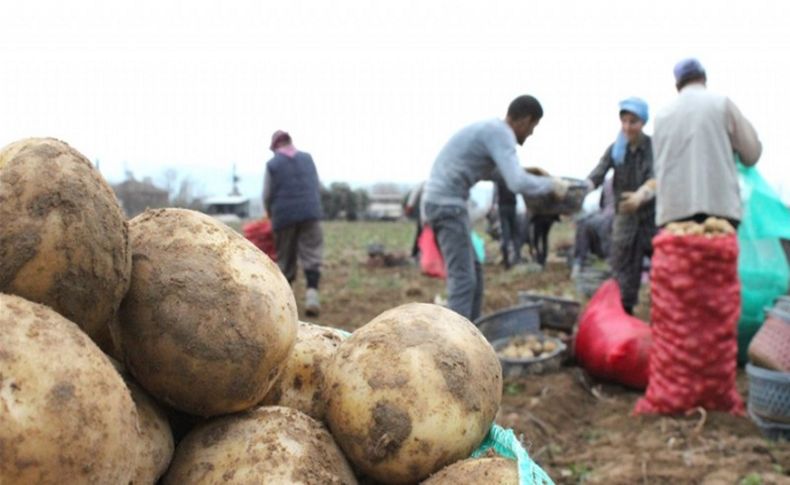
<point x="63" y="238"/>
<point x="65" y="414"/>
<point x="300" y="384"/>
<point x="415" y="389"/>
<point x="271" y="445"/>
<point x="490" y="471"/>
<point x="209" y="319"/>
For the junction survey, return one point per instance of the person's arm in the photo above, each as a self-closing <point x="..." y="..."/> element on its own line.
<point x="503" y="152"/>
<point x="743" y="136"/>
<point x="598" y="174"/>
<point x="267" y="192"/>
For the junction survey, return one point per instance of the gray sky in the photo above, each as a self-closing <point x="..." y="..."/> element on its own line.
<point x="372" y="89"/>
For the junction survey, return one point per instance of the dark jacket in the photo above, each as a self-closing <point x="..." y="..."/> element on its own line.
<point x="294" y="190"/>
<point x="636" y="169"/>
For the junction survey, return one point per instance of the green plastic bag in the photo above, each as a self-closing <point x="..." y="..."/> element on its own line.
<point x="762" y="263"/>
<point x="479" y="245"/>
<point x="504" y="443"/>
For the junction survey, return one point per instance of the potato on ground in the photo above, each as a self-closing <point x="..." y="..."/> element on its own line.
<point x="490" y="471"/>
<point x="299" y="386"/>
<point x="66" y="415"/>
<point x="63" y="237"/>
<point x="412" y="391"/>
<point x="271" y="445"/>
<point x="208" y="320"/>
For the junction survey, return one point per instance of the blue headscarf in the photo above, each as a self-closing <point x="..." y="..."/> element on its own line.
<point x="637" y="106"/>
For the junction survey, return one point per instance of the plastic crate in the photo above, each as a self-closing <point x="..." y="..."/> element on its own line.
<point x="515" y="320"/>
<point x="555" y="313"/>
<point x="771" y="430"/>
<point x="570" y="204"/>
<point x="769" y="394"/>
<point x="590" y="279"/>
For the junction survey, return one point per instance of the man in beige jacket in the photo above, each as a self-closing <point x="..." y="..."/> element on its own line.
<point x="695" y="140"/>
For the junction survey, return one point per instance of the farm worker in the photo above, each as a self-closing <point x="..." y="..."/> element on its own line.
<point x="695" y="138"/>
<point x="631" y="158"/>
<point x="473" y="154"/>
<point x="292" y="198"/>
<point x="594" y="231"/>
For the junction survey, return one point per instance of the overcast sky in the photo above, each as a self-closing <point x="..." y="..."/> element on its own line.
<point x="372" y="89"/>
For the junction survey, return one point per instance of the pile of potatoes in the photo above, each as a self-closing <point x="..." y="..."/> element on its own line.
<point x="527" y="347"/>
<point x="216" y="380"/>
<point x="712" y="227"/>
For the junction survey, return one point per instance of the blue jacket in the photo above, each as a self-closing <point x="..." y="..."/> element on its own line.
<point x="295" y="192"/>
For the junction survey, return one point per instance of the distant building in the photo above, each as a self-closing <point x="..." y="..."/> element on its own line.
<point x="385" y="206"/>
<point x="136" y="196"/>
<point x="228" y="205"/>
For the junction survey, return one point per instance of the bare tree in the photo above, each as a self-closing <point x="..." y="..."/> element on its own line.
<point x="182" y="191"/>
<point x="170" y="181"/>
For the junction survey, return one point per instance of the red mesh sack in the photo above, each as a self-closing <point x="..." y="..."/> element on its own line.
<point x="611" y="344"/>
<point x="695" y="308"/>
<point x="431" y="260"/>
<point x="261" y="235"/>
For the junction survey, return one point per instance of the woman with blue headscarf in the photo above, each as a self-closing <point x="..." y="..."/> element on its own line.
<point x="631" y="158"/>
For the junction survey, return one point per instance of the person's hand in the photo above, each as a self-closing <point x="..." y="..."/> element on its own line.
<point x="537" y="171"/>
<point x="630" y="202"/>
<point x="408" y="210"/>
<point x="560" y="188"/>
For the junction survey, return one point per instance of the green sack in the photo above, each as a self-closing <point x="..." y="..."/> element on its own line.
<point x="504" y="443"/>
<point x="762" y="263"/>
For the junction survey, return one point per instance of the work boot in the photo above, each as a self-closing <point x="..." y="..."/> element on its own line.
<point x="312" y="303"/>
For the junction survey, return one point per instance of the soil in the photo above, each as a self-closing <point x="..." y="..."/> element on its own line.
<point x="577" y="429"/>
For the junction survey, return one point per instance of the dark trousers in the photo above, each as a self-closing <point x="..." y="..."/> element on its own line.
<point x="304" y="242"/>
<point x="508" y="225"/>
<point x="464" y="274"/>
<point x="631" y="243"/>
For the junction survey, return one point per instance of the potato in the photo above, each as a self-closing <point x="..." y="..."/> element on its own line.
<point x="490" y="471"/>
<point x="415" y="389"/>
<point x="63" y="238"/>
<point x="66" y="415"/>
<point x="271" y="445"/>
<point x="209" y="319"/>
<point x="299" y="386"/>
<point x="157" y="439"/>
<point x="549" y="346"/>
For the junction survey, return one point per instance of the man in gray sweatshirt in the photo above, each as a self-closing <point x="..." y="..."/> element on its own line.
<point x="476" y="153"/>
